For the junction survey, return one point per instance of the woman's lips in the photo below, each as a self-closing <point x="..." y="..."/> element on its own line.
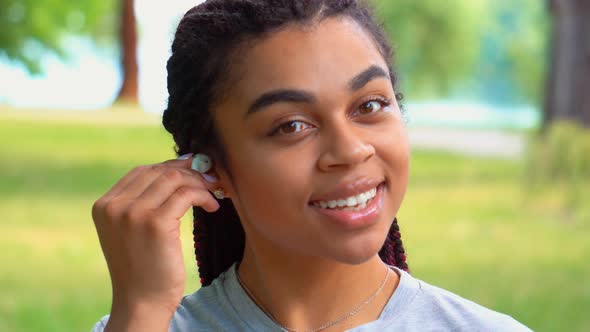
<point x="351" y="220"/>
<point x="349" y="188"/>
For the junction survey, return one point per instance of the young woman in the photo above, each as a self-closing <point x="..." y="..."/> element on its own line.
<point x="295" y="159"/>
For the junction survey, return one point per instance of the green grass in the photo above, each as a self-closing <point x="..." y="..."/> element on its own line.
<point x="468" y="224"/>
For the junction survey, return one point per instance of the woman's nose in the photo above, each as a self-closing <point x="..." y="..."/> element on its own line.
<point x="345" y="146"/>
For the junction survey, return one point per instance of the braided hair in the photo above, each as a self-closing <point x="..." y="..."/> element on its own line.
<point x="206" y="41"/>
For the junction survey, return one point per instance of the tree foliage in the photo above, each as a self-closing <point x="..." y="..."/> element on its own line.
<point x="469" y="45"/>
<point x="30" y="28"/>
<point x="520" y="32"/>
<point x="488" y="49"/>
<point x="437" y="42"/>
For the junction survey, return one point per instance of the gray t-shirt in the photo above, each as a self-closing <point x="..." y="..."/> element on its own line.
<point x="414" y="306"/>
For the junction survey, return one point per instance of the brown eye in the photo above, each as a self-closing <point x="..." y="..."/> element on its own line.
<point x="370" y="107"/>
<point x="290" y="127"/>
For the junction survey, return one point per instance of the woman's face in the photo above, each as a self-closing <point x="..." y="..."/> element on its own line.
<point x="311" y="119"/>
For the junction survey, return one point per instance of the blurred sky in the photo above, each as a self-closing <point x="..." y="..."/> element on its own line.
<point x="88" y="80"/>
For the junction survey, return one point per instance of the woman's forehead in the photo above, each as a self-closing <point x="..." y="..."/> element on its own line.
<point x="319" y="59"/>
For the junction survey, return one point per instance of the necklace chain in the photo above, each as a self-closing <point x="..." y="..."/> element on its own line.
<point x="325" y="326"/>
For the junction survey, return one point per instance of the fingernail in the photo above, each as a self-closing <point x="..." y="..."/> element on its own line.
<point x="184" y="156"/>
<point x="209" y="178"/>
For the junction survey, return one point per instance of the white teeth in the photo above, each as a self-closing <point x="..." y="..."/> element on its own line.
<point x="361" y="197"/>
<point x="352" y="203"/>
<point x="355" y="208"/>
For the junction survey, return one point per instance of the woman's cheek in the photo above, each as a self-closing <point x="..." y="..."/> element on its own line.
<point x="271" y="176"/>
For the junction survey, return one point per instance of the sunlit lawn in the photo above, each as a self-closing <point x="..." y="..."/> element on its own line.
<point x="467" y="224"/>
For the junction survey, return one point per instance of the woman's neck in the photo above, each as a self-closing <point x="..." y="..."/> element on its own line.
<point x="305" y="292"/>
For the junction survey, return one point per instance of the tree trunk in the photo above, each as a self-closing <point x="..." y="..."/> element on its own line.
<point x="128" y="39"/>
<point x="568" y="85"/>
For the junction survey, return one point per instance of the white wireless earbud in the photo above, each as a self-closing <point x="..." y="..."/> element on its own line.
<point x="201" y="163"/>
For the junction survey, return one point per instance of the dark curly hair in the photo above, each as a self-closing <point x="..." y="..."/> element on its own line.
<point x="205" y="44"/>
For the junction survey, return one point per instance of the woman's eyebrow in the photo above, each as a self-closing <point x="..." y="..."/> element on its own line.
<point x="302" y="96"/>
<point x="366" y="76"/>
<point x="281" y="95"/>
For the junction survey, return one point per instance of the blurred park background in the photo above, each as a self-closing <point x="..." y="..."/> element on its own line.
<point x="497" y="99"/>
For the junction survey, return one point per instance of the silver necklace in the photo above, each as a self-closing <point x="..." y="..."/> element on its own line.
<point x="325" y="326"/>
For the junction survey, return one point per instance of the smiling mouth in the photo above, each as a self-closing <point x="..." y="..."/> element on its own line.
<point x="351" y="203"/>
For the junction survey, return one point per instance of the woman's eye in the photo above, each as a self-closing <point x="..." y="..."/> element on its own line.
<point x="290" y="127"/>
<point x="373" y="106"/>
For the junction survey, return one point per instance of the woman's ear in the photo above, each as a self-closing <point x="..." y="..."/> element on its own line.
<point x="203" y="164"/>
<point x="223" y="181"/>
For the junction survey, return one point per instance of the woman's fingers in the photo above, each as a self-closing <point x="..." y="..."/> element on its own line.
<point x="149" y="173"/>
<point x="167" y="189"/>
<point x="186" y="163"/>
<point x="183" y="199"/>
<point x="147" y="187"/>
<point x="124" y="182"/>
<point x="166" y="184"/>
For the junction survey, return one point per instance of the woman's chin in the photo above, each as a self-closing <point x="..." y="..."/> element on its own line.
<point x="356" y="255"/>
<point x="357" y="260"/>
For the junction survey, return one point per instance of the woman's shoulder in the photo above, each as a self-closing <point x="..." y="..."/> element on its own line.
<point x="426" y="307"/>
<point x="210" y="308"/>
<point x="199" y="311"/>
<point x="207" y="309"/>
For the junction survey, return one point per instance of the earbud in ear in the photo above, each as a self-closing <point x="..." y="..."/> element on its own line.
<point x="201" y="163"/>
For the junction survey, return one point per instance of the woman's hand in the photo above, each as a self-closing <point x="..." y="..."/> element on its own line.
<point x="138" y="225"/>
